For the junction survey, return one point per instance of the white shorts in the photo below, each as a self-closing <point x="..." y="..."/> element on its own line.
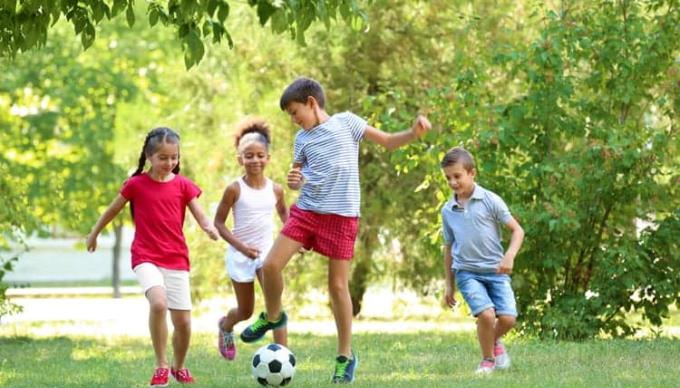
<point x="242" y="268"/>
<point x="175" y="283"/>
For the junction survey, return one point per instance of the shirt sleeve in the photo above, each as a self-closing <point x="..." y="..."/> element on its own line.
<point x="447" y="231"/>
<point x="298" y="155"/>
<point x="191" y="190"/>
<point x="356" y="125"/>
<point x="501" y="211"/>
<point x="128" y="189"/>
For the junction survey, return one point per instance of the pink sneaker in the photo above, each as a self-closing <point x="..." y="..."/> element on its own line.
<point x="160" y="377"/>
<point x="485" y="367"/>
<point x="225" y="341"/>
<point x="182" y="376"/>
<point x="502" y="358"/>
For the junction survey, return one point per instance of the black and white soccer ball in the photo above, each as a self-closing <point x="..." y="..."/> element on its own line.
<point x="273" y="365"/>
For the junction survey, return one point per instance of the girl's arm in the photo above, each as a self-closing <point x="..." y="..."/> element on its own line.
<point x="281" y="207"/>
<point x="515" y="243"/>
<point x="109" y="214"/>
<point x="393" y="141"/>
<point x="202" y="220"/>
<point x="230" y="196"/>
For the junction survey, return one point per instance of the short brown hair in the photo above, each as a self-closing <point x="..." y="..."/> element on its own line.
<point x="458" y="155"/>
<point x="300" y="90"/>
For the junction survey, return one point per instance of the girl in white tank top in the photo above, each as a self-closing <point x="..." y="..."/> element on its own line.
<point x="253" y="198"/>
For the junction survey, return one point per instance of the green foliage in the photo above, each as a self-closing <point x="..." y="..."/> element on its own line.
<point x="584" y="148"/>
<point x="26" y="24"/>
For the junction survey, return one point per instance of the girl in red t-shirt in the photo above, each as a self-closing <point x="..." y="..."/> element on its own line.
<point x="160" y="257"/>
<point x="252" y="199"/>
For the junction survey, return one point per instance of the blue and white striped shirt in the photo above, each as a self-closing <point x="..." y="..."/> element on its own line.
<point x="329" y="154"/>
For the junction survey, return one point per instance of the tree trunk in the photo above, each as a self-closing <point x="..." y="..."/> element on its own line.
<point x="115" y="269"/>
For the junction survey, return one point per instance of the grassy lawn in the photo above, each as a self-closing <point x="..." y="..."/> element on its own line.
<point x="386" y="360"/>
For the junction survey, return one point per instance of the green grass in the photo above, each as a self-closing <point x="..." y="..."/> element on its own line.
<point x="386" y="360"/>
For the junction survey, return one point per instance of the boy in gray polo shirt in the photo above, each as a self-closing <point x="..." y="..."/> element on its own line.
<point x="474" y="258"/>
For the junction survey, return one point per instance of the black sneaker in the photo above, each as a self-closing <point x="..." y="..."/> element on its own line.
<point x="260" y="327"/>
<point x="344" y="369"/>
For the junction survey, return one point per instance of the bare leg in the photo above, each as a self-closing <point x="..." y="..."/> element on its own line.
<point x="181" y="336"/>
<point x="280" y="335"/>
<point x="283" y="249"/>
<point x="503" y="325"/>
<point x="486" y="322"/>
<point x="341" y="303"/>
<point x="245" y="303"/>
<point x="158" y="326"/>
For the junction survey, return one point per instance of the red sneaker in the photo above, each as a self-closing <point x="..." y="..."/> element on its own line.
<point x="160" y="377"/>
<point x="182" y="376"/>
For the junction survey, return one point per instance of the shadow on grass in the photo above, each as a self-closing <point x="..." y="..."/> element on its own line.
<point x="426" y="359"/>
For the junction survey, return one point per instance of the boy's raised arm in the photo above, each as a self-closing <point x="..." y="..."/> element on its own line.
<point x="393" y="141"/>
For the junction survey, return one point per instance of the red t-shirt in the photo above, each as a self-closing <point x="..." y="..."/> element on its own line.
<point x="159" y="218"/>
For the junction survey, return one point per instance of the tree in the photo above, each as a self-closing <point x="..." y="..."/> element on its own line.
<point x="25" y="24"/>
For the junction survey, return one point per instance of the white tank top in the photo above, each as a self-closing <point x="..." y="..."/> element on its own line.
<point x="253" y="223"/>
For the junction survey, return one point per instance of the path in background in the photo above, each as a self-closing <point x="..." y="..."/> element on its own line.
<point x="103" y="316"/>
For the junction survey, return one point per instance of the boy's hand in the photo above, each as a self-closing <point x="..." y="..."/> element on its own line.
<point x="449" y="297"/>
<point x="420" y="126"/>
<point x="506" y="265"/>
<point x="211" y="231"/>
<point x="295" y="177"/>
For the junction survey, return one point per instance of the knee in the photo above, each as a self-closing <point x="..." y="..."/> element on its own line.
<point x="271" y="267"/>
<point x="487" y="316"/>
<point x="245" y="312"/>
<point x="182" y="324"/>
<point x="158" y="306"/>
<point x="337" y="287"/>
<point x="507" y="320"/>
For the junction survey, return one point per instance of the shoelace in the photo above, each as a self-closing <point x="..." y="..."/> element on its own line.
<point x="259" y="324"/>
<point x="340" y="368"/>
<point x="160" y="373"/>
<point x="228" y="339"/>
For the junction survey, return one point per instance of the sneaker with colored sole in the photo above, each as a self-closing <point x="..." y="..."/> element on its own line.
<point x="183" y="376"/>
<point x="160" y="377"/>
<point x="485" y="367"/>
<point x="261" y="326"/>
<point x="502" y="357"/>
<point x="225" y="341"/>
<point x="344" y="369"/>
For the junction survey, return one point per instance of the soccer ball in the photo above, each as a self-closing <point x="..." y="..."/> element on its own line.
<point x="273" y="365"/>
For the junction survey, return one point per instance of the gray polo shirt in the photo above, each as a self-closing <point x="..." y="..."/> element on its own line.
<point x="474" y="232"/>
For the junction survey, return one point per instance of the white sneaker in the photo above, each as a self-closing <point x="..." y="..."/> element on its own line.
<point x="502" y="357"/>
<point x="485" y="367"/>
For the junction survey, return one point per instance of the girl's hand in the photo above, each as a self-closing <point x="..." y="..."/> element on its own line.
<point x="250" y="252"/>
<point x="420" y="126"/>
<point x="449" y="297"/>
<point x="91" y="242"/>
<point x="211" y="231"/>
<point x="295" y="177"/>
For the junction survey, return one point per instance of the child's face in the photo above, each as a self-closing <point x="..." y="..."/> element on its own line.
<point x="459" y="179"/>
<point x="254" y="158"/>
<point x="165" y="159"/>
<point x="303" y="115"/>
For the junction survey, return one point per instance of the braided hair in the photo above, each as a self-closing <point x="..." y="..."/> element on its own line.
<point x="252" y="129"/>
<point x="154" y="139"/>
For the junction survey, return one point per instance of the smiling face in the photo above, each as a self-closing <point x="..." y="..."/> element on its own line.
<point x="164" y="159"/>
<point x="304" y="115"/>
<point x="254" y="158"/>
<point x="460" y="180"/>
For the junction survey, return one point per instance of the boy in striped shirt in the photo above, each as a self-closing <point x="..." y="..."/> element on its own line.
<point x="325" y="217"/>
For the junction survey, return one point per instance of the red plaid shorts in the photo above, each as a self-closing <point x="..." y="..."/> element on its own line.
<point x="331" y="235"/>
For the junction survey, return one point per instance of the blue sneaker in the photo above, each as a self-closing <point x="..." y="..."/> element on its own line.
<point x="261" y="326"/>
<point x="344" y="369"/>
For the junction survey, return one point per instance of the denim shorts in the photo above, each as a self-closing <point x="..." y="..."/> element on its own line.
<point x="482" y="291"/>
